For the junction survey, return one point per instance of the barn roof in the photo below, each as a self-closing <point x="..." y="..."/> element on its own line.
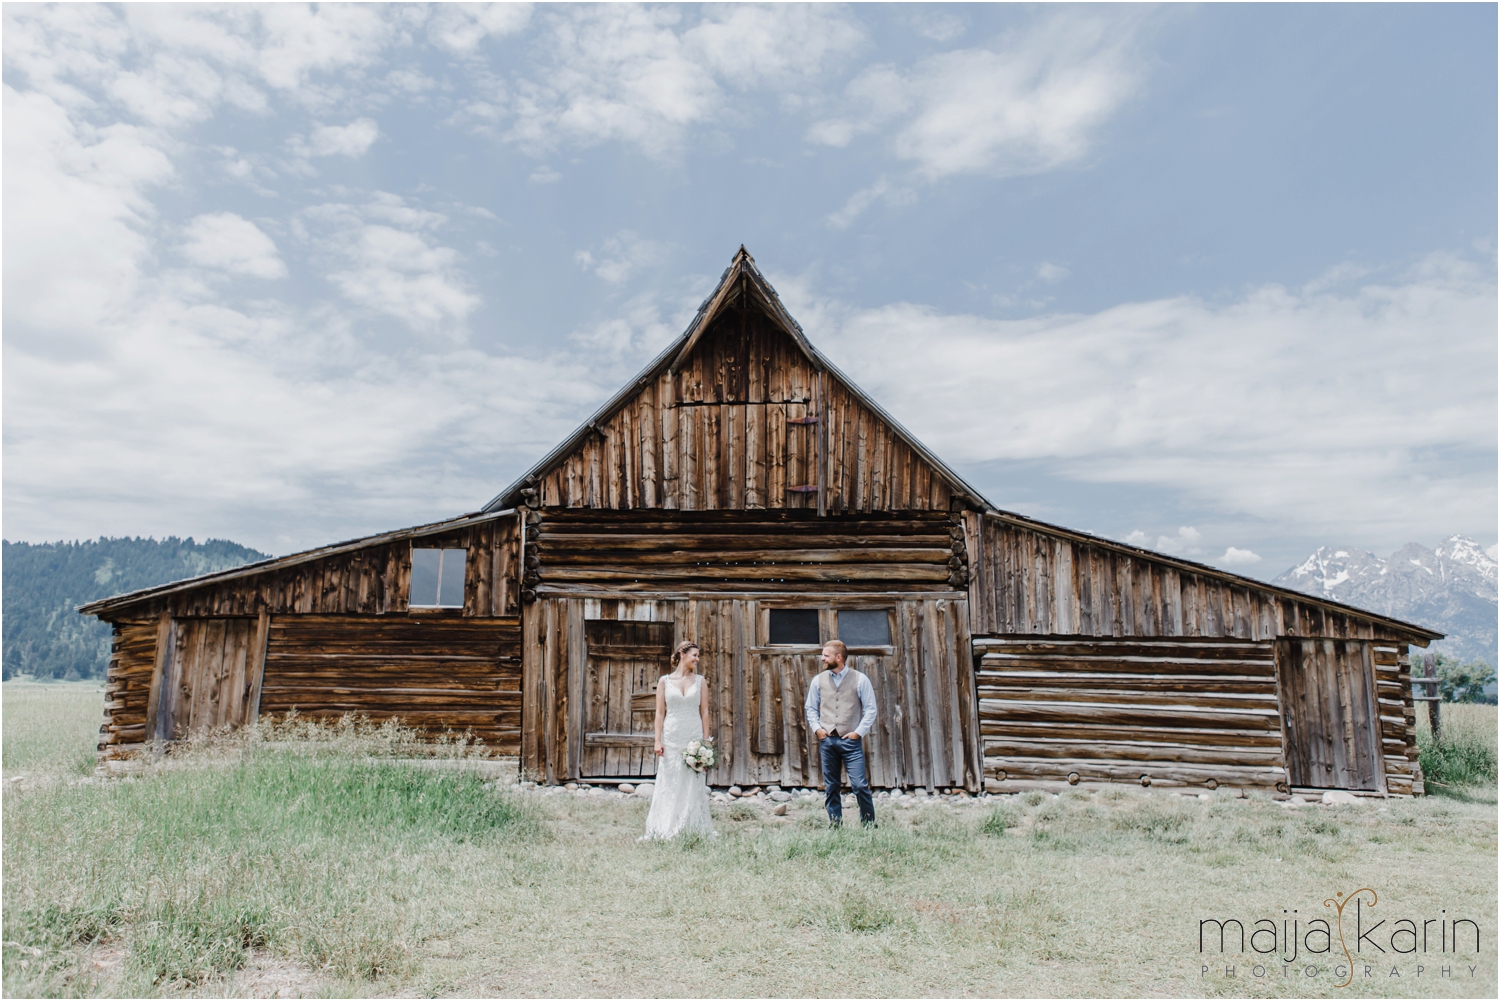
<point x="741" y="279"/>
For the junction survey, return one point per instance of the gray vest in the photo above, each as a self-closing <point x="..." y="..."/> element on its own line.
<point x="839" y="710"/>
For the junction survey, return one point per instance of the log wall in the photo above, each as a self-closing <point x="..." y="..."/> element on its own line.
<point x="437" y="675"/>
<point x="127" y="686"/>
<point x="1183" y="712"/>
<point x="1398" y="720"/>
<point x="746" y="422"/>
<point x="925" y="733"/>
<point x="786" y="551"/>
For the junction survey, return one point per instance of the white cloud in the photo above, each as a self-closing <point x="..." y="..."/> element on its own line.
<point x="385" y="263"/>
<point x="1032" y="104"/>
<point x="881" y="190"/>
<point x="636" y="75"/>
<point x="1299" y="408"/>
<point x="940" y="27"/>
<point x="639" y="329"/>
<point x="228" y="242"/>
<point x="350" y="140"/>
<point x="461" y="27"/>
<point x="1051" y="273"/>
<point x="1187" y="542"/>
<point x="544" y="175"/>
<point x="1238" y="557"/>
<point x="620" y="257"/>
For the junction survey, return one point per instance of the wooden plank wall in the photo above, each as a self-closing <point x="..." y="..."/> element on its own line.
<point x="1328" y="704"/>
<point x="925" y="733"/>
<point x="1027" y="581"/>
<point x="437" y="675"/>
<point x="127" y="687"/>
<point x="1183" y="712"/>
<point x="726" y="431"/>
<point x="216" y="665"/>
<point x="735" y="551"/>
<point x="371" y="581"/>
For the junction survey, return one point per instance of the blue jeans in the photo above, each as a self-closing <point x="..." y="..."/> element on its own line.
<point x="839" y="754"/>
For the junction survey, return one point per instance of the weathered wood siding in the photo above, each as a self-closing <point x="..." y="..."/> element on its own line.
<point x="1329" y="715"/>
<point x="195" y="664"/>
<point x="1180" y="712"/>
<point x="127" y="686"/>
<point x="746" y="422"/>
<point x="582" y="551"/>
<point x="1027" y="580"/>
<point x="209" y="677"/>
<point x="435" y="673"/>
<point x="366" y="581"/>
<point x="925" y="733"/>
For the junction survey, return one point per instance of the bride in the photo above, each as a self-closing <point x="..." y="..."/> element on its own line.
<point x="680" y="801"/>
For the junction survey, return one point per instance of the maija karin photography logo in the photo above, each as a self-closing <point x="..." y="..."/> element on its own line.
<point x="1346" y="942"/>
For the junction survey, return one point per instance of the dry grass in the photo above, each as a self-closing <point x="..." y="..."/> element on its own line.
<point x="203" y="868"/>
<point x="51" y="728"/>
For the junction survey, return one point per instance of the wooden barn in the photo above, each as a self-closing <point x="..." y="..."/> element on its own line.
<point x="744" y="493"/>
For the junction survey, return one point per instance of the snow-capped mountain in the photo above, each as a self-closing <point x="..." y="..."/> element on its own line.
<point x="1452" y="588"/>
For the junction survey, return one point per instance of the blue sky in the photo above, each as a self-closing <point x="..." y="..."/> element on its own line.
<point x="1217" y="279"/>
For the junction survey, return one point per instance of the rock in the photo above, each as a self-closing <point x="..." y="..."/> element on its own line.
<point x="627" y="788"/>
<point x="780" y="810"/>
<point x="771" y="789"/>
<point x="781" y="797"/>
<point x="736" y="791"/>
<point x="1204" y="796"/>
<point x="1337" y="797"/>
<point x="645" y="789"/>
<point x="528" y="784"/>
<point x="571" y="786"/>
<point x="1295" y="802"/>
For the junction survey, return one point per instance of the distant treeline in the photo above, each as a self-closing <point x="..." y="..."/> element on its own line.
<point x="44" y="636"/>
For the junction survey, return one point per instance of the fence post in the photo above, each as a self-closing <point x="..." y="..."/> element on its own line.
<point x="1435" y="707"/>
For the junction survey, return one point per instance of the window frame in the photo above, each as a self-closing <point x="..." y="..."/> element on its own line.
<point x="828" y="609"/>
<point x="439" y="609"/>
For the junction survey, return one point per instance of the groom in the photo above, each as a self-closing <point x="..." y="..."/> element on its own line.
<point x="840" y="710"/>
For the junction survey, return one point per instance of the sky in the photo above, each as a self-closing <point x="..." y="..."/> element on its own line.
<point x="1219" y="280"/>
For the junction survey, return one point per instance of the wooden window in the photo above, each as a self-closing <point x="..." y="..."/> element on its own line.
<point x="795" y="626"/>
<point x="437" y="578"/>
<point x="865" y="627"/>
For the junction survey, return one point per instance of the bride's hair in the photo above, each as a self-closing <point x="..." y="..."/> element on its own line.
<point x="682" y="648"/>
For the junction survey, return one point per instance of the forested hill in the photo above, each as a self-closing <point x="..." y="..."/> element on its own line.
<point x="45" y="637"/>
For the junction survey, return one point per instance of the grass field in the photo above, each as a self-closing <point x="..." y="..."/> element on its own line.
<point x="328" y="867"/>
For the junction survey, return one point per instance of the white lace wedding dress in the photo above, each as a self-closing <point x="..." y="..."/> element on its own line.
<point x="679" y="803"/>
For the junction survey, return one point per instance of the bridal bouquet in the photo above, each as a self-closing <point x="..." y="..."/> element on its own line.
<point x="699" y="754"/>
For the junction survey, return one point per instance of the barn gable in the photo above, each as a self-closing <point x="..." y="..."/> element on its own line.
<point x="742" y="413"/>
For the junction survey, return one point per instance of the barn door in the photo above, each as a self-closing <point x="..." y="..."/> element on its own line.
<point x="624" y="661"/>
<point x="207" y="676"/>
<point x="1330" y="729"/>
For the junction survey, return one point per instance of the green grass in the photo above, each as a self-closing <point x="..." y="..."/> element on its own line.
<point x="1465" y="757"/>
<point x="311" y="848"/>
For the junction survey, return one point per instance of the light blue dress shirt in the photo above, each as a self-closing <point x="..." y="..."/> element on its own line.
<point x="863" y="689"/>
